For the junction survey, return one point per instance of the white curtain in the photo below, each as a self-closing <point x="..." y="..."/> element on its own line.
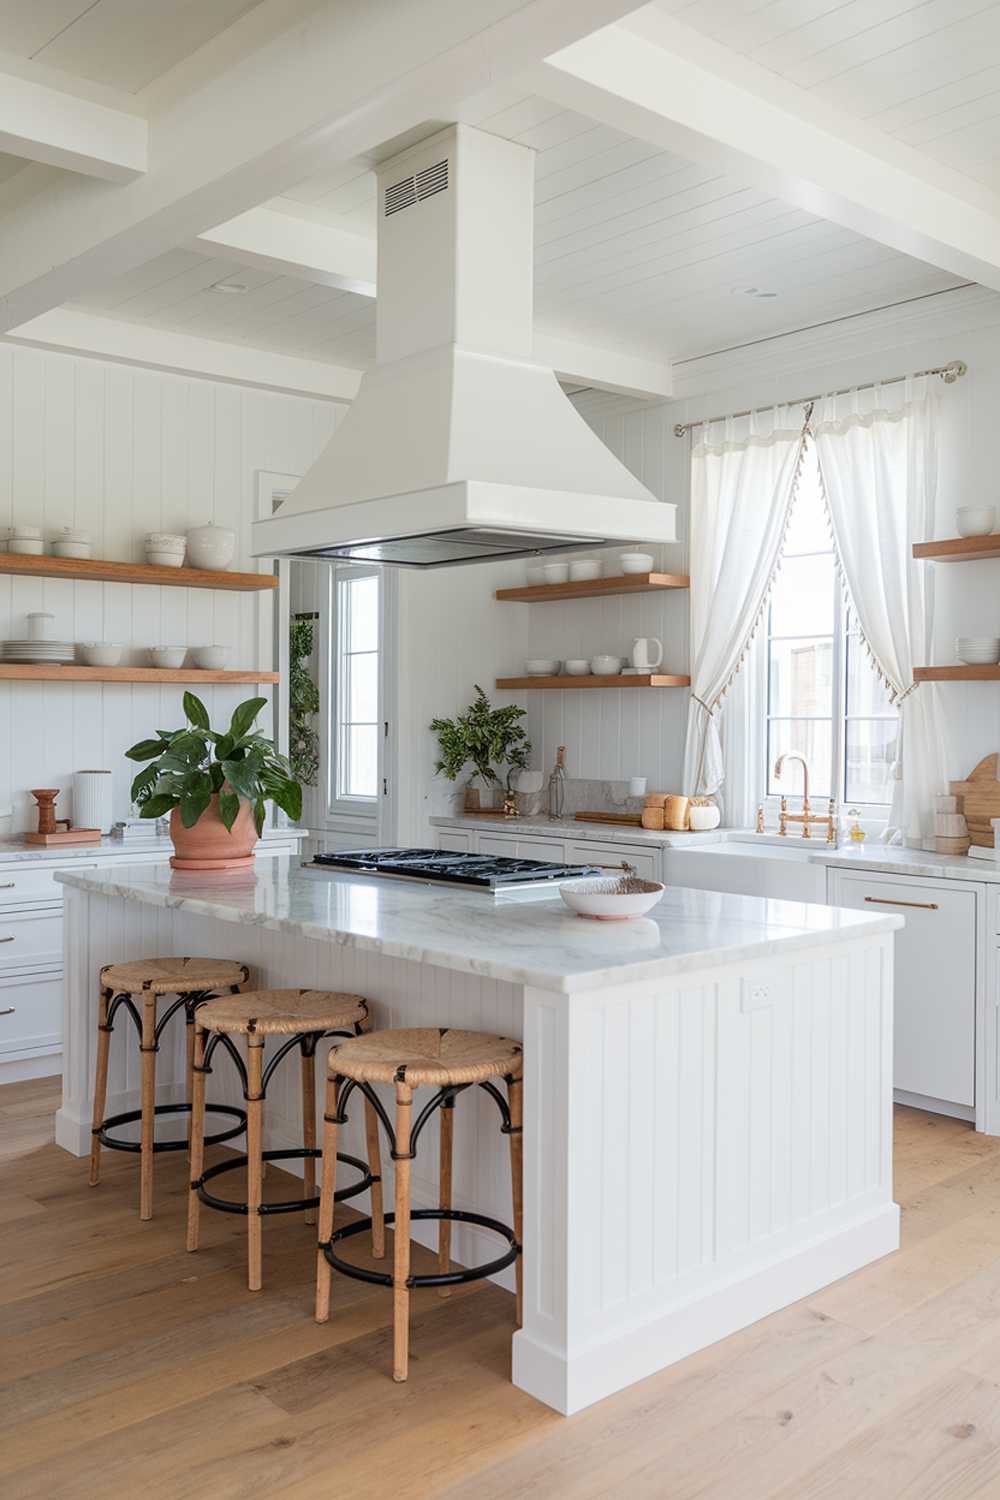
<point x="743" y="472"/>
<point x="876" y="452"/>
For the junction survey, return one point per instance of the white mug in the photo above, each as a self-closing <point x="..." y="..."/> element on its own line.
<point x="641" y="658"/>
<point x="40" y="626"/>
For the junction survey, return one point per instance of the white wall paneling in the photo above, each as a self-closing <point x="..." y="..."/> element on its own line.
<point x="123" y="451"/>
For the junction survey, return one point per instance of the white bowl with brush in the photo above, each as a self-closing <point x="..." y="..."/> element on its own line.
<point x="618" y="898"/>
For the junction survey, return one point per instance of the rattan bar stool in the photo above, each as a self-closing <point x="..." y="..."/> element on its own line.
<point x="450" y="1061"/>
<point x="193" y="981"/>
<point x="302" y="1018"/>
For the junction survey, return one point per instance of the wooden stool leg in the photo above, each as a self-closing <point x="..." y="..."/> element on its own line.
<point x="255" y="1108"/>
<point x="100" y="1085"/>
<point x="375" y="1168"/>
<point x="447" y="1118"/>
<point x="147" y="1103"/>
<point x="326" y="1204"/>
<point x="515" y="1097"/>
<point x="401" y="1260"/>
<point x="309" y="1129"/>
<point x="197" y="1140"/>
<point x="189" y="1038"/>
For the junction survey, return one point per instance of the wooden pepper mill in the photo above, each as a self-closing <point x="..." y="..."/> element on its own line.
<point x="49" y="825"/>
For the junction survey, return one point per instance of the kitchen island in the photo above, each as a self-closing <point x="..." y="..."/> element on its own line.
<point x="708" y="1092"/>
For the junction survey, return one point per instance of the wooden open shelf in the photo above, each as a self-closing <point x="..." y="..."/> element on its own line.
<point x="959" y="673"/>
<point x="12" y="672"/>
<point x="960" y="549"/>
<point x="100" y="570"/>
<point x="638" y="680"/>
<point x="595" y="588"/>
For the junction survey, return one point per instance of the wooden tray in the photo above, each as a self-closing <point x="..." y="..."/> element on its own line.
<point x="979" y="799"/>
<point x="626" y="820"/>
<point x="67" y="836"/>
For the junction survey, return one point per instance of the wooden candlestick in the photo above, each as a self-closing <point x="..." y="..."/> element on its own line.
<point x="49" y="825"/>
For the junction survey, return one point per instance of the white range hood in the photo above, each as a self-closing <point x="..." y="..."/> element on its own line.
<point x="458" y="447"/>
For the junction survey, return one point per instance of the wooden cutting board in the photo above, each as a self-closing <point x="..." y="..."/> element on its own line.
<point x="979" y="799"/>
<point x="625" y="820"/>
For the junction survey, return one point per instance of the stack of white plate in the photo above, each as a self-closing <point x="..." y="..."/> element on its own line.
<point x="978" y="650"/>
<point x="38" y="653"/>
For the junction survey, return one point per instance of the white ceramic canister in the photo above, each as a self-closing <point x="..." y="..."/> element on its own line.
<point x="40" y="625"/>
<point x="92" y="800"/>
<point x="211" y="547"/>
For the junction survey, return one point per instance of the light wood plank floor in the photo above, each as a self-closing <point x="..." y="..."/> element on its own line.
<point x="133" y="1371"/>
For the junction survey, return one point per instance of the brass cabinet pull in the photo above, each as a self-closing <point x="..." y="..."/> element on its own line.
<point x="6" y="940"/>
<point x="9" y="1011"/>
<point x="890" y="901"/>
<point x="8" y="885"/>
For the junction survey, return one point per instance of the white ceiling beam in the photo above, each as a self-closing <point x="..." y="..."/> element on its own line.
<point x="43" y="124"/>
<point x="295" y="247"/>
<point x="73" y="332"/>
<point x="333" y="86"/>
<point x="658" y="80"/>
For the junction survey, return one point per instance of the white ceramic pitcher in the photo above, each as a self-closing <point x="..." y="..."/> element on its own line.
<point x="642" y="658"/>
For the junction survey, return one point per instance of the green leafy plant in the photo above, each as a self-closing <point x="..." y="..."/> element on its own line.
<point x="303" y="703"/>
<point x="483" y="737"/>
<point x="188" y="767"/>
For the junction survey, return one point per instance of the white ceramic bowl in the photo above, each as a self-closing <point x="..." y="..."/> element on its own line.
<point x="636" y="562"/>
<point x="69" y="534"/>
<point x="71" y="549"/>
<point x="542" y="666"/>
<point x="535" y="573"/>
<point x="164" y="559"/>
<point x="24" y="549"/>
<point x="166" y="541"/>
<point x="583" y="569"/>
<point x="975" y="520"/>
<point x="978" y="650"/>
<point x="211" y="658"/>
<point x="577" y="667"/>
<point x="597" y="899"/>
<point x="26" y="533"/>
<point x="556" y="572"/>
<point x="605" y="666"/>
<point x="167" y="656"/>
<point x="100" y="653"/>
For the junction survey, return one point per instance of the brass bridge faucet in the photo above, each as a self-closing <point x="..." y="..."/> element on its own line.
<point x="806" y="817"/>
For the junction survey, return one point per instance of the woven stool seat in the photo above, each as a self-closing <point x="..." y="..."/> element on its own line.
<point x="173" y="976"/>
<point x="283" y="1012"/>
<point x="426" y="1055"/>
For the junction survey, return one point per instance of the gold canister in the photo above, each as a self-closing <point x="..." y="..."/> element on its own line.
<point x="675" y="813"/>
<point x="656" y="799"/>
<point x="652" y="817"/>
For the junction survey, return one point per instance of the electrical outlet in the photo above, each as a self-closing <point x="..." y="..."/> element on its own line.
<point x="760" y="994"/>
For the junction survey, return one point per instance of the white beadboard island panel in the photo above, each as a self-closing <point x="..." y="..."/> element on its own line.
<point x="707" y="1131"/>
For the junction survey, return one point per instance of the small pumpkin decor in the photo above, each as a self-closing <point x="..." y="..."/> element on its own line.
<point x="703" y="814"/>
<point x="215" y="786"/>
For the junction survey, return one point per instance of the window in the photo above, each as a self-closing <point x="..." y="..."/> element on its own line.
<point x="824" y="697"/>
<point x="355" y="666"/>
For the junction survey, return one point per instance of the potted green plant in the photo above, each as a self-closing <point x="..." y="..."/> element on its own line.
<point x="483" y="737"/>
<point x="214" y="785"/>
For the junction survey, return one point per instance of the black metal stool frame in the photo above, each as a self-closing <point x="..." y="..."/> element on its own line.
<point x="443" y="1099"/>
<point x="189" y="1001"/>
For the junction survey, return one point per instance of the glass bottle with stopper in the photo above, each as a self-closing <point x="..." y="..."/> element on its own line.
<point x="557" y="784"/>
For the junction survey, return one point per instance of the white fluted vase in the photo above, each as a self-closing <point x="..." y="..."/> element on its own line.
<point x="92" y="800"/>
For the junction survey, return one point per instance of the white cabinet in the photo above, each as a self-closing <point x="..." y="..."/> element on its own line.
<point x="455" y="843"/>
<point x="519" y="846"/>
<point x="30" y="1024"/>
<point x="935" y="971"/>
<point x="646" y="860"/>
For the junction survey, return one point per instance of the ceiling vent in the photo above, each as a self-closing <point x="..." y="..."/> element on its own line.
<point x="415" y="188"/>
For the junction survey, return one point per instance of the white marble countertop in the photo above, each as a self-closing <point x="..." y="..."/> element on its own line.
<point x="14" y="851"/>
<point x="569" y="828"/>
<point x="534" y="941"/>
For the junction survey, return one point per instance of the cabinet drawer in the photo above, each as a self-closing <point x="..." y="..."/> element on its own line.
<point x="646" y="861"/>
<point x="455" y="843"/>
<point x="23" y="886"/>
<point x="935" y="982"/>
<point x="30" y="940"/>
<point x="30" y="1016"/>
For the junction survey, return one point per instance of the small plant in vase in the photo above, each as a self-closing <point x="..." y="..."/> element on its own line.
<point x="483" y="737"/>
<point x="214" y="785"/>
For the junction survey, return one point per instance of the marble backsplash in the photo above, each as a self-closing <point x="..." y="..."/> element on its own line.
<point x="581" y="795"/>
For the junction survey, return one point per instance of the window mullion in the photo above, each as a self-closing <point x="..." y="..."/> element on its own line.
<point x="838" y="770"/>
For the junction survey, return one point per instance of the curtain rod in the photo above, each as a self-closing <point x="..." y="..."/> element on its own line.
<point x="949" y="374"/>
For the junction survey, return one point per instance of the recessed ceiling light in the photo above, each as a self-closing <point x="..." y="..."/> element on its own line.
<point x="231" y="288"/>
<point x="758" y="292"/>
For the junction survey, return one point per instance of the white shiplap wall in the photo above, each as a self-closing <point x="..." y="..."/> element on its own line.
<point x="123" y="451"/>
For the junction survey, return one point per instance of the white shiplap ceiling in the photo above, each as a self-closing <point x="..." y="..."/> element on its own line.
<point x="122" y="44"/>
<point x="925" y="71"/>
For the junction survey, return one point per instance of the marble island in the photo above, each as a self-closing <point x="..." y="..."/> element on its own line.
<point x="707" y="1090"/>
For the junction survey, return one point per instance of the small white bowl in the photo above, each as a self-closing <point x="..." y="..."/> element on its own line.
<point x="164" y="559"/>
<point x="975" y="520"/>
<point x="978" y="651"/>
<point x="167" y="656"/>
<point x="25" y="549"/>
<point x="100" y="653"/>
<point x="535" y="573"/>
<point x="70" y="534"/>
<point x="605" y="666"/>
<point x="556" y="572"/>
<point x="636" y="562"/>
<point x="582" y="569"/>
<point x="211" y="658"/>
<point x="166" y="541"/>
<point x="597" y="899"/>
<point x="71" y="549"/>
<point x="542" y="666"/>
<point x="577" y="667"/>
<point x="26" y="533"/>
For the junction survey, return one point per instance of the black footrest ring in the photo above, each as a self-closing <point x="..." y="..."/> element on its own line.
<point x="291" y="1205"/>
<point x="133" y="1116"/>
<point x="437" y="1278"/>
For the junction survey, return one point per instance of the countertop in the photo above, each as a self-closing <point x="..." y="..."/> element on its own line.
<point x="534" y="941"/>
<point x="569" y="828"/>
<point x="13" y="851"/>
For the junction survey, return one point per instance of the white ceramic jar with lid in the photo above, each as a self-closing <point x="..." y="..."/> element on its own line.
<point x="211" y="547"/>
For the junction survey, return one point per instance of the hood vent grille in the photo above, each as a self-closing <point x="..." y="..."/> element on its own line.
<point x="415" y="188"/>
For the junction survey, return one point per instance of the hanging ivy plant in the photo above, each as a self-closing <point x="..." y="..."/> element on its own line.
<point x="303" y="702"/>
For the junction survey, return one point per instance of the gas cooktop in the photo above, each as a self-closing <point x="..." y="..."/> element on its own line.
<point x="486" y="872"/>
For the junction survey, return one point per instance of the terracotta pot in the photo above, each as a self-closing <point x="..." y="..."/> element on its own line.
<point x="209" y="845"/>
